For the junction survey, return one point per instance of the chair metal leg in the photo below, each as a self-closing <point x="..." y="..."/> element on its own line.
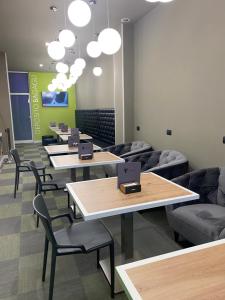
<point x="44" y="177"/>
<point x="36" y="189"/>
<point x="98" y="258"/>
<point x="52" y="275"/>
<point x="18" y="180"/>
<point x="45" y="259"/>
<point x="112" y="268"/>
<point x="15" y="186"/>
<point x="37" y="223"/>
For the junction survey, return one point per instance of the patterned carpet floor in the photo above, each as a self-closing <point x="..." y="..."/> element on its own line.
<point x="21" y="243"/>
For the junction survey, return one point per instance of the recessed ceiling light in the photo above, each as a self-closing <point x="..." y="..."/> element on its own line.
<point x="53" y="8"/>
<point x="125" y="20"/>
<point x="41" y="65"/>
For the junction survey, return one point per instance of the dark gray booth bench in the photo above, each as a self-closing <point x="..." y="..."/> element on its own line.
<point x="98" y="123"/>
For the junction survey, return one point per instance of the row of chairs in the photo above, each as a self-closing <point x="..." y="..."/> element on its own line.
<point x="77" y="238"/>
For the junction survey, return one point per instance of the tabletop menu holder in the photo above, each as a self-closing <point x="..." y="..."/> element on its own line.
<point x="129" y="177"/>
<point x="60" y="125"/>
<point x="75" y="131"/>
<point x="85" y="151"/>
<point x="64" y="128"/>
<point x="73" y="140"/>
<point x="52" y="124"/>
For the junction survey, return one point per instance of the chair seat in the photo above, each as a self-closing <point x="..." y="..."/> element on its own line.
<point x="61" y="183"/>
<point x="91" y="235"/>
<point x="200" y="221"/>
<point x="39" y="165"/>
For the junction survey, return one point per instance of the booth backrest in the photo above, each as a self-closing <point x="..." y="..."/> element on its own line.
<point x="98" y="123"/>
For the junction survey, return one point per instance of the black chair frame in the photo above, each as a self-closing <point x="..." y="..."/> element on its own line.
<point x="42" y="211"/>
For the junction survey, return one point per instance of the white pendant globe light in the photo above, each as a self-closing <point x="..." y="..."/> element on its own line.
<point x="75" y="71"/>
<point x="80" y="63"/>
<point x="97" y="71"/>
<point x="54" y="81"/>
<point x="110" y="41"/>
<point x="51" y="87"/>
<point x="61" y="77"/>
<point x="79" y="13"/>
<point x="67" y="38"/>
<point x="56" y="50"/>
<point x="62" y="68"/>
<point x="94" y="49"/>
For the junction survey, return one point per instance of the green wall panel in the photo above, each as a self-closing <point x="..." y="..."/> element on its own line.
<point x="42" y="116"/>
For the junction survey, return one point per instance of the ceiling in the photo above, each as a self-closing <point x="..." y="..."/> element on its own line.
<point x="26" y="25"/>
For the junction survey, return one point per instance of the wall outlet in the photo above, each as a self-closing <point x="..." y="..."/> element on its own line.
<point x="169" y="132"/>
<point x="138" y="128"/>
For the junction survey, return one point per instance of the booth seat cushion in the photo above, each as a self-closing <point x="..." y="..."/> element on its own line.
<point x="200" y="223"/>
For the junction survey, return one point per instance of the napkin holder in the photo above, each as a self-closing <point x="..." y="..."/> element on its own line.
<point x="85" y="151"/>
<point x="129" y="177"/>
<point x="130" y="188"/>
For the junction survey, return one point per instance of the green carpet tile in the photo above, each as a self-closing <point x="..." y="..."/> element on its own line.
<point x="21" y="243"/>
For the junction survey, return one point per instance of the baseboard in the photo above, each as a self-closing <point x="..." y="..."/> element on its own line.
<point x="24" y="142"/>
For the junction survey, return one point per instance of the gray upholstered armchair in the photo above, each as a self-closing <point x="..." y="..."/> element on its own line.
<point x="202" y="220"/>
<point x="167" y="163"/>
<point x="125" y="150"/>
<point x="128" y="149"/>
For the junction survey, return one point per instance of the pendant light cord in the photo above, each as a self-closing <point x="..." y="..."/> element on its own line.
<point x="107" y="8"/>
<point x="64" y="9"/>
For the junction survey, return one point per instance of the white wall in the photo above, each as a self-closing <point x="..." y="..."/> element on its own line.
<point x="180" y="79"/>
<point x="5" y="105"/>
<point x="96" y="92"/>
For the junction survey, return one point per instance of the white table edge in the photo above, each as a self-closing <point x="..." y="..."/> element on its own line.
<point x="127" y="283"/>
<point x="85" y="164"/>
<point x="61" y="135"/>
<point x="128" y="209"/>
<point x="96" y="148"/>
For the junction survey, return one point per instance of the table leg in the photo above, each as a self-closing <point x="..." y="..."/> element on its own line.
<point x="73" y="175"/>
<point x="127" y="235"/>
<point x="86" y="173"/>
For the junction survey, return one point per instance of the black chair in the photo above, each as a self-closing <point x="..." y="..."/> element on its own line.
<point x="23" y="166"/>
<point x="47" y="185"/>
<point x="84" y="237"/>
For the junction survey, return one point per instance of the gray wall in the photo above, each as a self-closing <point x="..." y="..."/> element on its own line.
<point x="5" y="110"/>
<point x="128" y="65"/>
<point x="180" y="79"/>
<point x="107" y="91"/>
<point x="96" y="92"/>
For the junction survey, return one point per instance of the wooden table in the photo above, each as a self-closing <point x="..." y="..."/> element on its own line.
<point x="65" y="149"/>
<point x="58" y="131"/>
<point x="83" y="136"/>
<point x="100" y="198"/>
<point x="73" y="162"/>
<point x="194" y="273"/>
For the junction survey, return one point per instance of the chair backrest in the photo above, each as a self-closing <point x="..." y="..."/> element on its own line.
<point x="42" y="211"/>
<point x="148" y="160"/>
<point x="171" y="157"/>
<point x="15" y="156"/>
<point x="204" y="182"/>
<point x="35" y="172"/>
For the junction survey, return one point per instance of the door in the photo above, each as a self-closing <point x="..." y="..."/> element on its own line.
<point x="21" y="117"/>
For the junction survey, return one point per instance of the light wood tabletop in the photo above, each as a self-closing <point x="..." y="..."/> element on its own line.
<point x="58" y="131"/>
<point x="73" y="161"/>
<point x="101" y="198"/>
<point x="83" y="136"/>
<point x="65" y="149"/>
<point x="194" y="273"/>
